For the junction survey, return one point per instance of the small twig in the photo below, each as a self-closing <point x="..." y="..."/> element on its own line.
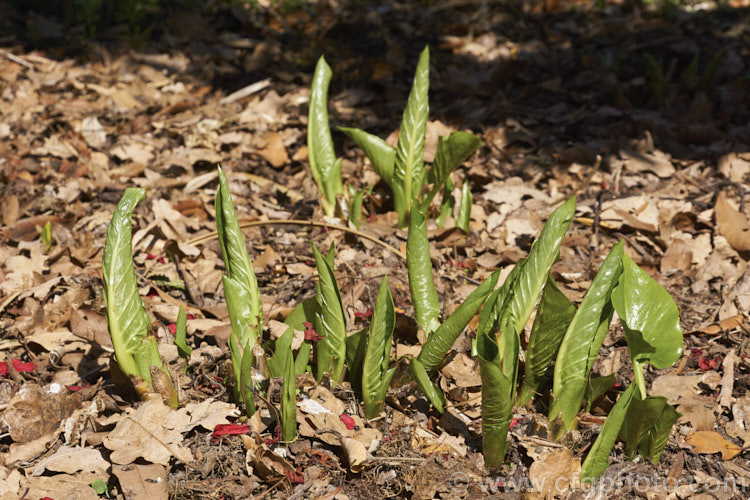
<point x="246" y="91"/>
<point x="298" y="222"/>
<point x="18" y="60"/>
<point x="272" y="487"/>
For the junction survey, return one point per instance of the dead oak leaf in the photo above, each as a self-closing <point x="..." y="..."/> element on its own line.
<point x="148" y="432"/>
<point x="712" y="442"/>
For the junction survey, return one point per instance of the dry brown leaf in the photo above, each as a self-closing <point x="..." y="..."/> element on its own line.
<point x="678" y="257"/>
<point x="34" y="412"/>
<point x="698" y="411"/>
<point x="142" y="481"/>
<point x="463" y="370"/>
<point x="556" y="472"/>
<point x="274" y="152"/>
<point x="207" y="414"/>
<point x="712" y="442"/>
<point x="61" y="486"/>
<point x="355" y="452"/>
<point x="70" y="460"/>
<point x="676" y="387"/>
<point x="733" y="225"/>
<point x="147" y="432"/>
<point x="725" y="325"/>
<point x="10" y="210"/>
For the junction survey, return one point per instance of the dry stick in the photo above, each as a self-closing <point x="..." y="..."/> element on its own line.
<point x="298" y="222"/>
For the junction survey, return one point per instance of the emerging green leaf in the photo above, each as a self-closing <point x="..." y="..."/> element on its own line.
<point x="289" y="400"/>
<point x="136" y="350"/>
<point x="451" y="152"/>
<point x="381" y="154"/>
<point x="180" y="333"/>
<point x="582" y="341"/>
<point x="464" y="209"/>
<point x="409" y="170"/>
<point x="596" y="388"/>
<point x="326" y="169"/>
<point x="647" y="426"/>
<point x="596" y="460"/>
<point x="533" y="274"/>
<point x="423" y="293"/>
<point x="439" y="343"/>
<point x="552" y="319"/>
<point x="330" y="323"/>
<point x="650" y="319"/>
<point x="242" y="296"/>
<point x="376" y="369"/>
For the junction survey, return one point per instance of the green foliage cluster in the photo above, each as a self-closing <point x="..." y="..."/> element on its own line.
<point x="412" y="183"/>
<point x="564" y="341"/>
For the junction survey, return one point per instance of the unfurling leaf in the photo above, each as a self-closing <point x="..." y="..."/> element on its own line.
<point x="423" y="293"/>
<point x="326" y="169"/>
<point x="330" y="321"/>
<point x="136" y="350"/>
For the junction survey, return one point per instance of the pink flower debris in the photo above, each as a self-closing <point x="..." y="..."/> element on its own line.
<point x="18" y="365"/>
<point x="229" y="430"/>
<point x="365" y="314"/>
<point x="348" y="421"/>
<point x="310" y="333"/>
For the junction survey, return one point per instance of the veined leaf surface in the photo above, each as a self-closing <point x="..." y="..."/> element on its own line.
<point x="409" y="169"/>
<point x="330" y="323"/>
<point x="596" y="461"/>
<point x="127" y="319"/>
<point x="423" y="292"/>
<point x="582" y="341"/>
<point x="326" y="169"/>
<point x="381" y="154"/>
<point x="650" y="319"/>
<point x="552" y="320"/>
<point x="376" y="372"/>
<point x="544" y="252"/>
<point x="451" y="152"/>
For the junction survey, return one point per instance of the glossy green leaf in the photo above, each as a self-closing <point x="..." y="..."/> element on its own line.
<point x="423" y="292"/>
<point x="326" y="169"/>
<point x="302" y="312"/>
<point x="642" y="418"/>
<point x="532" y="275"/>
<point x="376" y="371"/>
<point x="180" y="331"/>
<point x="356" y="349"/>
<point x="596" y="461"/>
<point x="330" y="323"/>
<point x="650" y="319"/>
<point x="498" y="365"/>
<point x="239" y="267"/>
<point x="447" y="204"/>
<point x="582" y="341"/>
<point x="438" y="345"/>
<point x="241" y="293"/>
<point x="464" y="209"/>
<point x="659" y="434"/>
<point x="129" y="325"/>
<point x="381" y="154"/>
<point x="552" y="319"/>
<point x="426" y="385"/>
<point x="596" y="387"/>
<point x="355" y="208"/>
<point x="452" y="150"/>
<point x="440" y="342"/>
<point x="282" y="346"/>
<point x="409" y="169"/>
<point x="289" y="399"/>
<point x="46" y="236"/>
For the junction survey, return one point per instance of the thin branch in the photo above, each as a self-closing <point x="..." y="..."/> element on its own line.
<point x="299" y="222"/>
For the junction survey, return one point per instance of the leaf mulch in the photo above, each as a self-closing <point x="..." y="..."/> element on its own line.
<point x="644" y="117"/>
